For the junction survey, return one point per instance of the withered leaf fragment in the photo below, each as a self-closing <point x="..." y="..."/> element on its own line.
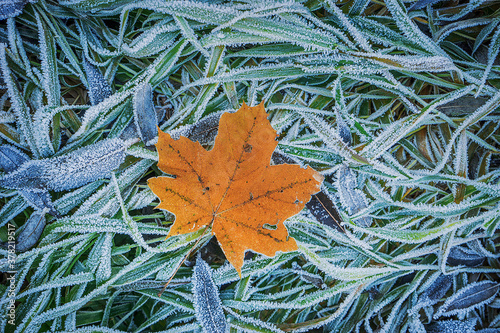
<point x="11" y="159"/>
<point x="11" y="8"/>
<point x="232" y="188"/>
<point x="66" y="172"/>
<point x="98" y="88"/>
<point x="203" y="131"/>
<point x="351" y="197"/>
<point x="468" y="298"/>
<point x="207" y="304"/>
<point x="131" y="132"/>
<point x="436" y="290"/>
<point x="461" y="255"/>
<point x="32" y="230"/>
<point x="452" y="326"/>
<point x="320" y="205"/>
<point x="145" y="117"/>
<point x="314" y="279"/>
<point x="325" y="211"/>
<point x="343" y="130"/>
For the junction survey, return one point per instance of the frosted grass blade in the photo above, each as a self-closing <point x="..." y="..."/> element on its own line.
<point x="50" y="71"/>
<point x="17" y="100"/>
<point x="12" y="208"/>
<point x="493" y="52"/>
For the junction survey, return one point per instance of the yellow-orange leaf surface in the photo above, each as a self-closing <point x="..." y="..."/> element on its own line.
<point x="233" y="188"/>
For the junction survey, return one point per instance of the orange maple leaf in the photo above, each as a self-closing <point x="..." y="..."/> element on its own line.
<point x="232" y="188"/>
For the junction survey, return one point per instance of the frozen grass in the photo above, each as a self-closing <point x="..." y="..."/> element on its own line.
<point x="396" y="104"/>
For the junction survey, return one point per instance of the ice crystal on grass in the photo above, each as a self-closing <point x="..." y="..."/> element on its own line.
<point x="207" y="304"/>
<point x="66" y="172"/>
<point x="99" y="88"/>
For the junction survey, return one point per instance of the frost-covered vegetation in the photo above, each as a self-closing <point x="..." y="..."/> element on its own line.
<point x="395" y="103"/>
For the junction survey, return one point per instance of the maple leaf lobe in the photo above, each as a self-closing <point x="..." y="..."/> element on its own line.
<point x="233" y="188"/>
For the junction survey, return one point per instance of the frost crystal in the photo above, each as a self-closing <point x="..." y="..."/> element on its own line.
<point x="99" y="88"/>
<point x="145" y="116"/>
<point x="207" y="304"/>
<point x="31" y="232"/>
<point x="66" y="172"/>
